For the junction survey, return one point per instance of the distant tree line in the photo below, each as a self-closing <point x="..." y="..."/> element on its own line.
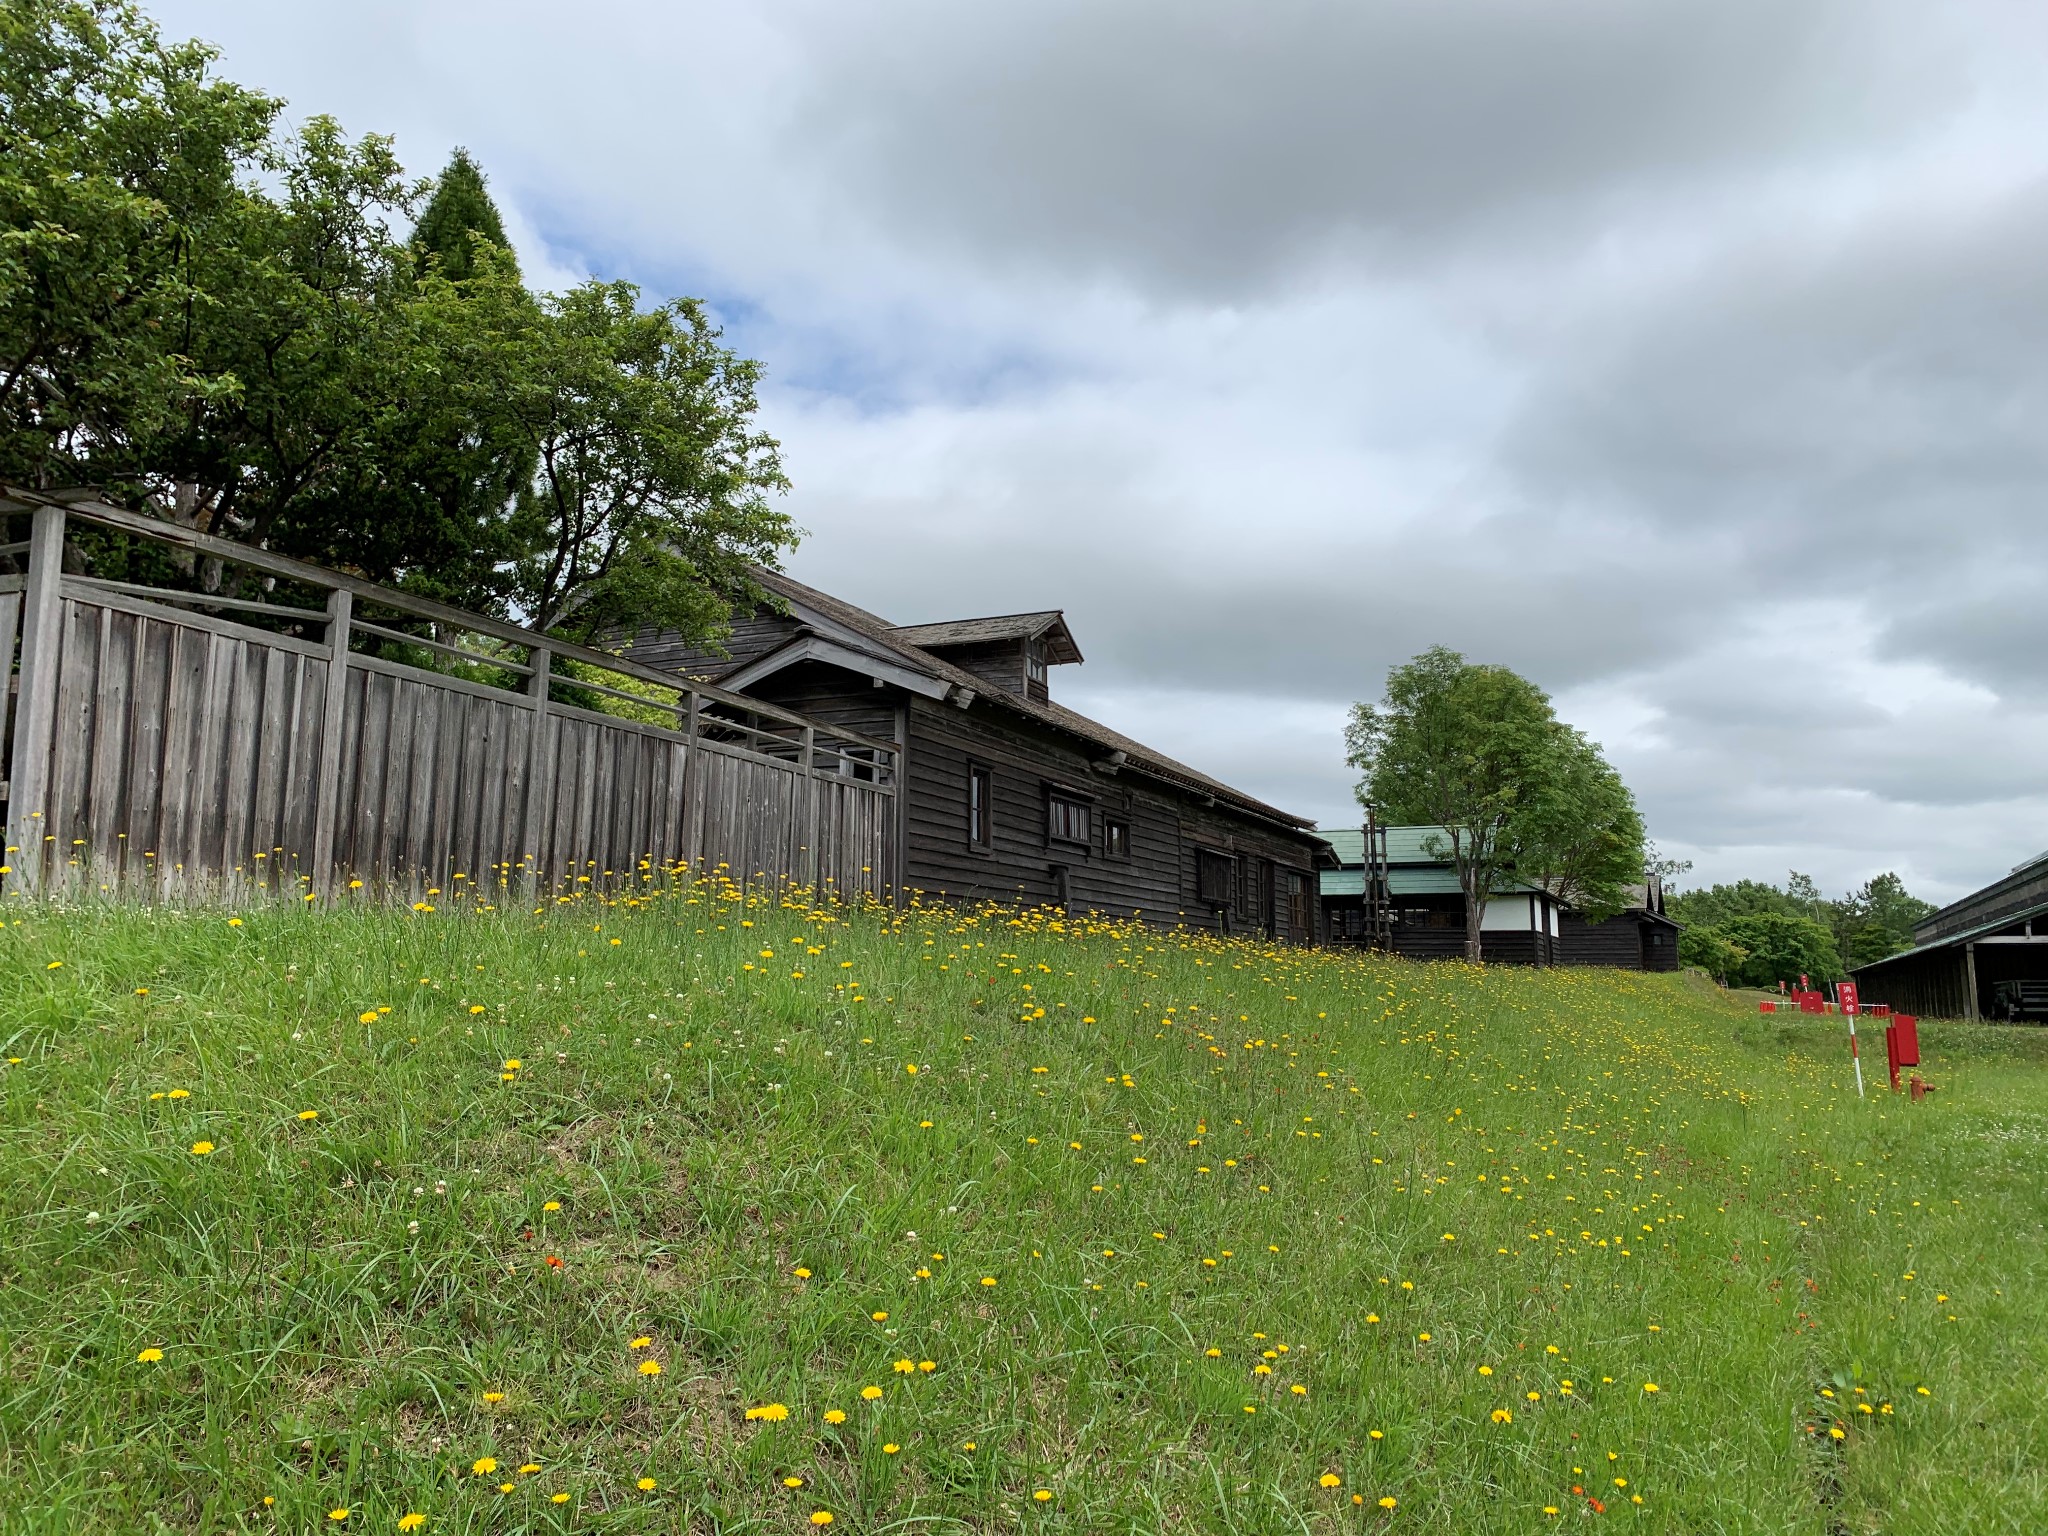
<point x="1752" y="934"/>
<point x="277" y="337"/>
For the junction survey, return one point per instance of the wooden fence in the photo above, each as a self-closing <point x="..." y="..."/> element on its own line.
<point x="236" y="719"/>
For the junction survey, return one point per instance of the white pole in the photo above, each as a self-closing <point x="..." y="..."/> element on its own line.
<point x="1855" y="1055"/>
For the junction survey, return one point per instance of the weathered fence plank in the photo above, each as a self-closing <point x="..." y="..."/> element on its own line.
<point x="158" y="747"/>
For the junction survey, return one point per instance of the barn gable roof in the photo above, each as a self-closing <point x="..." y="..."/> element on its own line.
<point x="861" y="631"/>
<point x="1048" y="626"/>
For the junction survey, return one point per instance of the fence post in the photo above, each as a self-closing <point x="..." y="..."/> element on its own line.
<point x="327" y="788"/>
<point x="810" y="822"/>
<point x="692" y="779"/>
<point x="540" y="760"/>
<point x="35" y="705"/>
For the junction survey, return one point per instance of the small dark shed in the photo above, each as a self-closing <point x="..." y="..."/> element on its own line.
<point x="1522" y="924"/>
<point x="1009" y="795"/>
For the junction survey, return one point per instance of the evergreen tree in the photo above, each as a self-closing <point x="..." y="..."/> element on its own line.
<point x="456" y="216"/>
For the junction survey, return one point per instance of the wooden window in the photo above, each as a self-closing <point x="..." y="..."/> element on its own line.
<point x="1066" y="819"/>
<point x="1213" y="876"/>
<point x="1034" y="664"/>
<point x="1298" y="915"/>
<point x="1116" y="838"/>
<point x="981" y="811"/>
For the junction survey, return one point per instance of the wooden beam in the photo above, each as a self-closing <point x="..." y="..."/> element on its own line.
<point x="540" y="762"/>
<point x="327" y="791"/>
<point x="15" y="499"/>
<point x="35" y="708"/>
<point x="808" y="863"/>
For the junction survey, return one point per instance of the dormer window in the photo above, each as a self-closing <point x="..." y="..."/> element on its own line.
<point x="1034" y="664"/>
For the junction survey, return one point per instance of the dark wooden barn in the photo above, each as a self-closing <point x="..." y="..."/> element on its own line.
<point x="1008" y="795"/>
<point x="1522" y="925"/>
<point x="1984" y="957"/>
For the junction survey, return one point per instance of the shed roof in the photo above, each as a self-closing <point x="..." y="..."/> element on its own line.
<point x="1404" y="844"/>
<point x="1951" y="940"/>
<point x="1049" y="625"/>
<point x="1410" y="880"/>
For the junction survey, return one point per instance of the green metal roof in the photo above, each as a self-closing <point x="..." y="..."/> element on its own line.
<point x="1426" y="880"/>
<point x="1947" y="943"/>
<point x="1404" y="844"/>
<point x="1349" y="843"/>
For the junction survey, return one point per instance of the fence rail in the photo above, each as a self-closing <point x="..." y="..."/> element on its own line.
<point x="209" y="726"/>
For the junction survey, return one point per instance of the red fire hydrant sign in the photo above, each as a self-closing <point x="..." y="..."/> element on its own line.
<point x="1845" y="999"/>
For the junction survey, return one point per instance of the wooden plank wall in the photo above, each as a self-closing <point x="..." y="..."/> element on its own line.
<point x="185" y="753"/>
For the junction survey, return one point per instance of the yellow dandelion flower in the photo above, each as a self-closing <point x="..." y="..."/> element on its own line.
<point x="202" y="1148"/>
<point x="835" y="1415"/>
<point x="309" y="1114"/>
<point x="1331" y="1480"/>
<point x="338" y="1514"/>
<point x="411" y="1521"/>
<point x="650" y="1367"/>
<point x="821" y="1517"/>
<point x="150" y="1356"/>
<point x="1043" y="1495"/>
<point x="1388" y="1502"/>
<point x="645" y="1485"/>
<point x="483" y="1465"/>
<point x="871" y="1393"/>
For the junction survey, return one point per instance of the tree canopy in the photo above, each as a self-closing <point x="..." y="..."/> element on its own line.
<point x="218" y="322"/>
<point x="1478" y="751"/>
<point x="1862" y="926"/>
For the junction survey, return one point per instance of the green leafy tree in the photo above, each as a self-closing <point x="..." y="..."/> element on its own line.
<point x="649" y="502"/>
<point x="459" y="217"/>
<point x="1883" y="915"/>
<point x="121" y="171"/>
<point x="218" y="325"/>
<point x="1779" y="947"/>
<point x="1577" y="833"/>
<point x="1462" y="747"/>
<point x="1712" y="951"/>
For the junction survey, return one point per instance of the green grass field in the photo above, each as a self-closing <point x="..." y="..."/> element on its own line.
<point x="688" y="1213"/>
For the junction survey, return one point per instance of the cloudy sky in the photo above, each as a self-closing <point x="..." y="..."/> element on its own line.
<point x="1689" y="356"/>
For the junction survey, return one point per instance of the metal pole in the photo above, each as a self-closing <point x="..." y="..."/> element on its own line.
<point x="1855" y="1055"/>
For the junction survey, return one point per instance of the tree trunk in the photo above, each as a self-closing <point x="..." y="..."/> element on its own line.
<point x="1475" y="910"/>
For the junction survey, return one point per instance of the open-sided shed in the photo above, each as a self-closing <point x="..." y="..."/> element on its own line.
<point x="1984" y="957"/>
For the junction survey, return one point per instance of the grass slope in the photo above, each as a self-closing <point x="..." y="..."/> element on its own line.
<point x="635" y="1216"/>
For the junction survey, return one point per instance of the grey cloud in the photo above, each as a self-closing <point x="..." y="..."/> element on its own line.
<point x="1209" y="146"/>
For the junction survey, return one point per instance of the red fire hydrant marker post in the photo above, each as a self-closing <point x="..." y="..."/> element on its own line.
<point x="1845" y="997"/>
